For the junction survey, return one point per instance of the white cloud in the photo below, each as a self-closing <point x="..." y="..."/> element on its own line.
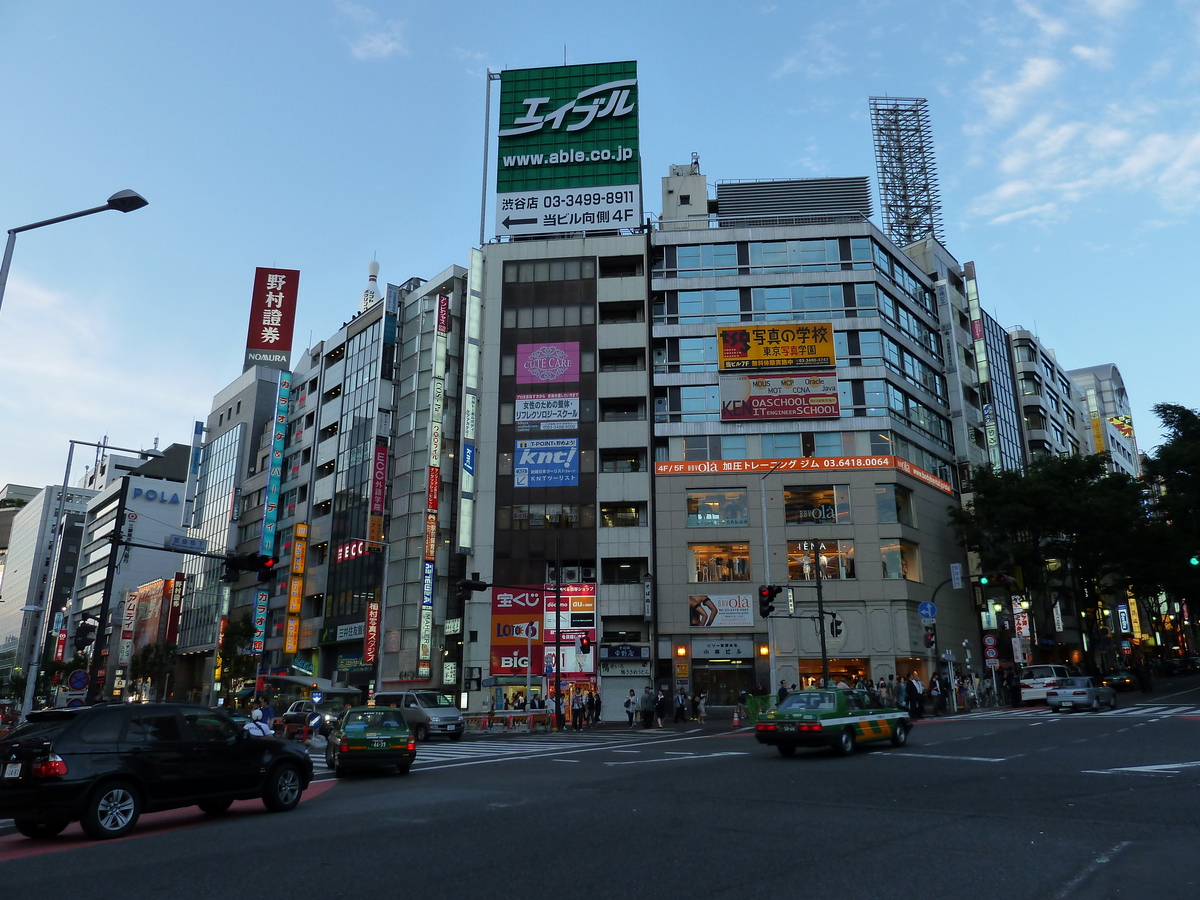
<point x="1110" y="9"/>
<point x="1003" y="101"/>
<point x="818" y="57"/>
<point x="1040" y="211"/>
<point x="380" y="43"/>
<point x="1049" y="26"/>
<point x="69" y="372"/>
<point x="1100" y="57"/>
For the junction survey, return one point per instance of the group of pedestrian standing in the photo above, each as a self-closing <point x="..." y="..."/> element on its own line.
<point x="651" y="707"/>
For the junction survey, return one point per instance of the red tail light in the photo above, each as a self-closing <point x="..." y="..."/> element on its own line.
<point x="412" y="744"/>
<point x="343" y="747"/>
<point x="47" y="768"/>
<point x="811" y="726"/>
<point x="1051" y="684"/>
<point x="1026" y="687"/>
<point x="1079" y="693"/>
<point x="765" y="726"/>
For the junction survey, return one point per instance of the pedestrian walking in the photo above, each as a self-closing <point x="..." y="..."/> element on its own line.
<point x="783" y="692"/>
<point x="916" y="696"/>
<point x="660" y="709"/>
<point x="695" y="706"/>
<point x="743" y="710"/>
<point x="578" y="710"/>
<point x="935" y="693"/>
<point x="681" y="703"/>
<point x="646" y="707"/>
<point x="597" y="719"/>
<point x="700" y="713"/>
<point x="631" y="706"/>
<point x="589" y="709"/>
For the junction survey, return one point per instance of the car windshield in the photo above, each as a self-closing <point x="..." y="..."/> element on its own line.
<point x="42" y="726"/>
<point x="430" y="700"/>
<point x="1037" y="672"/>
<point x="364" y="719"/>
<point x="1075" y="682"/>
<point x="809" y="700"/>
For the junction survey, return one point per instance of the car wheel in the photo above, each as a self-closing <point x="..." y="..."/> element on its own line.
<point x="786" y="749"/>
<point x="403" y="768"/>
<point x="282" y="790"/>
<point x="1095" y="707"/>
<point x="111" y="811"/>
<point x="215" y="807"/>
<point x="1112" y="704"/>
<point x="39" y="830"/>
<point x="329" y="763"/>
<point x="900" y="735"/>
<point x="845" y="743"/>
<point x="421" y="732"/>
<point x="457" y="736"/>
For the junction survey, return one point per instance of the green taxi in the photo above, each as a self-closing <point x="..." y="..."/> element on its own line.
<point x="370" y="737"/>
<point x="840" y="719"/>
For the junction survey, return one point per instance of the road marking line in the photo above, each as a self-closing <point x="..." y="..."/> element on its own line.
<point x="638" y="762"/>
<point x="1160" y="769"/>
<point x="988" y="759"/>
<point x="627" y="751"/>
<point x="1089" y="869"/>
<point x="679" y="752"/>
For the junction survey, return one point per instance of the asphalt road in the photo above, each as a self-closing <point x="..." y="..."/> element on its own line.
<point x="1024" y="804"/>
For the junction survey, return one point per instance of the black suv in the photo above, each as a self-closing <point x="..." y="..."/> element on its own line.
<point x="106" y="765"/>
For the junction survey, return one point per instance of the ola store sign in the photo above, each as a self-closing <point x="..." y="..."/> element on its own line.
<point x="567" y="150"/>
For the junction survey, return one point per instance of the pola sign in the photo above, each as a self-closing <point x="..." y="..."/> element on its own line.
<point x="568" y="157"/>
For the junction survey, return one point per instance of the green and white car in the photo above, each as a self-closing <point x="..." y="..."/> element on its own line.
<point x="840" y="719"/>
<point x="370" y="737"/>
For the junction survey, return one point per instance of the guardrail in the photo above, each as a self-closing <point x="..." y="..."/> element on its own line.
<point x="523" y="721"/>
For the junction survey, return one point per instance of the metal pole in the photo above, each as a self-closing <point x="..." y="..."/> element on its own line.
<point x="487" y="127"/>
<point x="35" y="651"/>
<point x="387" y="556"/>
<point x="558" y="698"/>
<point x="762" y="497"/>
<point x="821" y="615"/>
<point x="8" y="252"/>
<point x="12" y="239"/>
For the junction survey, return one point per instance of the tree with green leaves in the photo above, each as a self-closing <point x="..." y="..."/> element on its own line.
<point x="237" y="665"/>
<point x="152" y="664"/>
<point x="1070" y="525"/>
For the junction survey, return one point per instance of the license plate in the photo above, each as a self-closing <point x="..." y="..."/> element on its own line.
<point x="787" y="726"/>
<point x="380" y="744"/>
<point x="1065" y="704"/>
<point x="12" y="770"/>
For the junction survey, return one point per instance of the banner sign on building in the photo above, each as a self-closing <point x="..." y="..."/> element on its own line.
<point x="379" y="466"/>
<point x="575" y="617"/>
<point x="371" y="635"/>
<point x="128" y="627"/>
<point x="775" y="397"/>
<point x="805" y="464"/>
<point x="272" y="314"/>
<point x="291" y="634"/>
<point x="720" y="610"/>
<point x="437" y="404"/>
<point x="548" y="363"/>
<point x="546" y="463"/>
<point x="567" y="150"/>
<point x="775" y="346"/>
<point x="260" y="622"/>
<point x="547" y="412"/>
<point x="469" y="365"/>
<point x="266" y="544"/>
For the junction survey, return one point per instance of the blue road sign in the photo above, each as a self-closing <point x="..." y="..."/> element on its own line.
<point x="78" y="680"/>
<point x="314" y="720"/>
<point x="927" y="610"/>
<point x="316" y="696"/>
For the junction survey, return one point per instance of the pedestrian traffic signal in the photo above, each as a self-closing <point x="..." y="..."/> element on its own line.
<point x="835" y="627"/>
<point x="930" y="635"/>
<point x="585" y="645"/>
<point x="766" y="599"/>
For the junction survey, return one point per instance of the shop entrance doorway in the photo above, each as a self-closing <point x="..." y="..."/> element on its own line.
<point x="723" y="681"/>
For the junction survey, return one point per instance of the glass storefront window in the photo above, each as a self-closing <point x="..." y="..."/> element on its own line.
<point x="713" y="508"/>
<point x="835" y="557"/>
<point x="894" y="504"/>
<point x="901" y="560"/>
<point x="719" y="562"/>
<point x="811" y="504"/>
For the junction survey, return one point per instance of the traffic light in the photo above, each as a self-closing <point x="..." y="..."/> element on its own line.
<point x="85" y="633"/>
<point x="1000" y="579"/>
<point x="585" y="645"/>
<point x="766" y="599"/>
<point x="930" y="635"/>
<point x="266" y="569"/>
<point x="835" y="627"/>
<point x="260" y="563"/>
<point x="1195" y="560"/>
<point x="466" y="588"/>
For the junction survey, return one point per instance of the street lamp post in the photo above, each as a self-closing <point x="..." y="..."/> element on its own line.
<point x="766" y="538"/>
<point x="36" y="645"/>
<point x="121" y="201"/>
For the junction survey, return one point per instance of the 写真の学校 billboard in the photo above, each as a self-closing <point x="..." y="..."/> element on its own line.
<point x="781" y="345"/>
<point x="567" y="150"/>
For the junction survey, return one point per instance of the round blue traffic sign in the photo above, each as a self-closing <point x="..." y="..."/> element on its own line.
<point x="927" y="610"/>
<point x="78" y="680"/>
<point x="314" y="720"/>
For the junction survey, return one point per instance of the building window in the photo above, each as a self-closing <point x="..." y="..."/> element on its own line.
<point x="715" y="508"/>
<point x="533" y="516"/>
<point x="623" y="515"/>
<point x="706" y="259"/>
<point x="715" y="446"/>
<point x="894" y="505"/>
<point x="623" y="409"/>
<point x="631" y="460"/>
<point x="836" y="559"/>
<point x="901" y="560"/>
<point x="802" y="445"/>
<point x="719" y="562"/>
<point x="623" y="570"/>
<point x="817" y="504"/>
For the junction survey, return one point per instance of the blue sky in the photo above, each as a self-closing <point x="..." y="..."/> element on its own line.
<point x="316" y="135"/>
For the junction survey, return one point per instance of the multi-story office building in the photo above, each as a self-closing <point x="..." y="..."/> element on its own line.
<point x="1053" y="410"/>
<point x="12" y="498"/>
<point x="30" y="574"/>
<point x="1110" y="417"/>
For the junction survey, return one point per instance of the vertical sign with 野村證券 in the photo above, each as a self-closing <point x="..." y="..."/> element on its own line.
<point x="568" y="155"/>
<point x="272" y="314"/>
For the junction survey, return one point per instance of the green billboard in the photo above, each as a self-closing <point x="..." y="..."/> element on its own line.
<point x="568" y="155"/>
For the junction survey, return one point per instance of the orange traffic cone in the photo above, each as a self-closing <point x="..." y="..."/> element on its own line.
<point x="737" y="723"/>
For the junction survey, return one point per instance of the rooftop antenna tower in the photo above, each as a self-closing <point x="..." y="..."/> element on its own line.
<point x="908" y="189"/>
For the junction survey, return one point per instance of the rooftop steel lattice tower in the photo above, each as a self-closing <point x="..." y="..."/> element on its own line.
<point x="908" y="191"/>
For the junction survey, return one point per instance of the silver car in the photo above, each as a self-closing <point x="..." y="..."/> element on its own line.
<point x="426" y="712"/>
<point x="1078" y="692"/>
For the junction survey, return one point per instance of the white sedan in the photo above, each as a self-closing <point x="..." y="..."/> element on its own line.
<point x="1080" y="693"/>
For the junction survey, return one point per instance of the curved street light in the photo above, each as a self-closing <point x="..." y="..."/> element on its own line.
<point x="122" y="201"/>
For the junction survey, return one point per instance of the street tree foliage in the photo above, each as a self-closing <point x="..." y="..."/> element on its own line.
<point x="152" y="663"/>
<point x="237" y="665"/>
<point x="1072" y="527"/>
<point x="1172" y="475"/>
